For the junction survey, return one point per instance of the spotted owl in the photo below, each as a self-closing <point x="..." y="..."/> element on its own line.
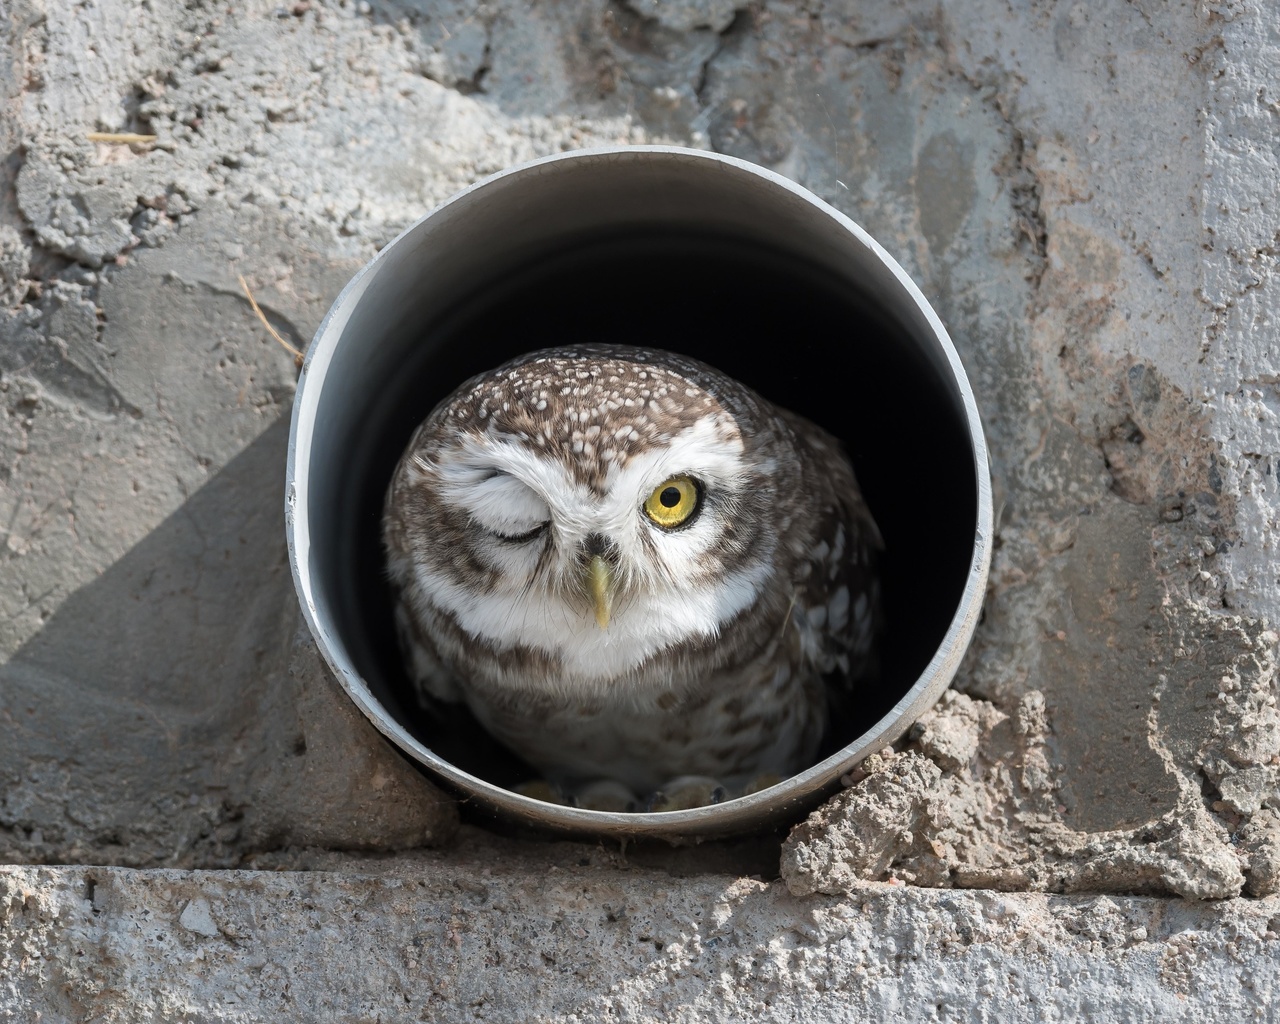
<point x="631" y="567"/>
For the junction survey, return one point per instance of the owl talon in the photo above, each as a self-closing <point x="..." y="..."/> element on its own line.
<point x="604" y="795"/>
<point x="687" y="792"/>
<point x="541" y="789"/>
<point x="601" y="795"/>
<point x="761" y="782"/>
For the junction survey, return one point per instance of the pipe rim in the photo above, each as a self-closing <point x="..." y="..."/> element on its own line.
<point x="746" y="813"/>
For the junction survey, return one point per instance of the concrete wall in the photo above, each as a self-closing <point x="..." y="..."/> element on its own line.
<point x="1087" y="193"/>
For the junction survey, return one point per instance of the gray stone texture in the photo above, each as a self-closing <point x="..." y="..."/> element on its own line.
<point x="517" y="932"/>
<point x="1087" y="192"/>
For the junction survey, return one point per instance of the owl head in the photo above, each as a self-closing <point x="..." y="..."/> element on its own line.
<point x="591" y="507"/>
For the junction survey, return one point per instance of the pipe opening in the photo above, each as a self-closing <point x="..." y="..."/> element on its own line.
<point x="806" y="338"/>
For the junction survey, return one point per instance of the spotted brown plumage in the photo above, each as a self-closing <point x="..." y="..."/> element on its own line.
<point x="631" y="567"/>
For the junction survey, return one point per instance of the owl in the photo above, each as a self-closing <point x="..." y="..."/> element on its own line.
<point x="633" y="570"/>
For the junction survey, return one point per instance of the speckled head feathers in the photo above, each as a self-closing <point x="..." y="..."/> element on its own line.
<point x="592" y="407"/>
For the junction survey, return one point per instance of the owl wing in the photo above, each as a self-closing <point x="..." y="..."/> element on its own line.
<point x="836" y="610"/>
<point x="431" y="679"/>
<point x="838" y="598"/>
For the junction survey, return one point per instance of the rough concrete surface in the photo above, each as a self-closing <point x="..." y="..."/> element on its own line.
<point x="514" y="932"/>
<point x="1085" y="191"/>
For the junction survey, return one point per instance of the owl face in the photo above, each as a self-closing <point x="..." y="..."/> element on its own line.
<point x="594" y="511"/>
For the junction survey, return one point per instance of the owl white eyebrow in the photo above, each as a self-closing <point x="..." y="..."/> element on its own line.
<point x="718" y="461"/>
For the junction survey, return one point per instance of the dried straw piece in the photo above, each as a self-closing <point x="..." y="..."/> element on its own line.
<point x="120" y="138"/>
<point x="297" y="355"/>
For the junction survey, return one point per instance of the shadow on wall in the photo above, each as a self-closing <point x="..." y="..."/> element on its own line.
<point x="133" y="717"/>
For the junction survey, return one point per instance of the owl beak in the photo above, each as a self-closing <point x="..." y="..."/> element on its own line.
<point x="599" y="581"/>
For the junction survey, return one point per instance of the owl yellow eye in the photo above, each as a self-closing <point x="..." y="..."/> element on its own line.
<point x="673" y="502"/>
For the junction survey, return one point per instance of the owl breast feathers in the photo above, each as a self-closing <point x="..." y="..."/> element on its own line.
<point x="631" y="567"/>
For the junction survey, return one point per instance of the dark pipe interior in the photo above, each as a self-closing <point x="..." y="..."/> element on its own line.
<point x="794" y="332"/>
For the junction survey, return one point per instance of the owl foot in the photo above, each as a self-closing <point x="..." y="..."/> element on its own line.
<point x="605" y="795"/>
<point x="680" y="794"/>
<point x="601" y="795"/>
<point x="686" y="792"/>
<point x="541" y="789"/>
<point x="761" y="782"/>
